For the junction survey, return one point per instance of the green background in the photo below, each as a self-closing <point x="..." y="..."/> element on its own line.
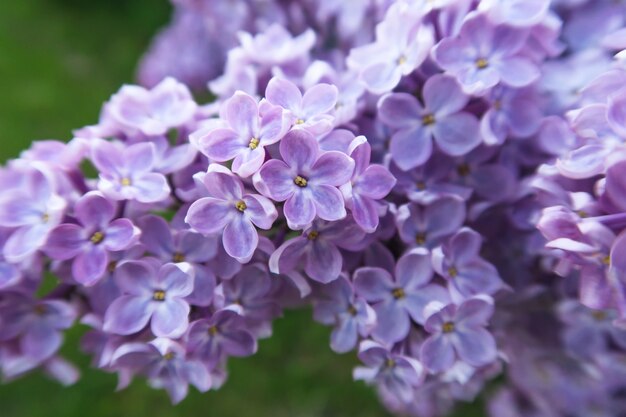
<point x="59" y="60"/>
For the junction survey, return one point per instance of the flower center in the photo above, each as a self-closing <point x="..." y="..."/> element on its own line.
<point x="178" y="257"/>
<point x="452" y="271"/>
<point x="159" y="295"/>
<point x="300" y="181"/>
<point x="254" y="143"/>
<point x="398" y="293"/>
<point x="606" y="260"/>
<point x="390" y="363"/>
<point x="241" y="205"/>
<point x="463" y="170"/>
<point x="313" y="234"/>
<point x="97" y="238"/>
<point x="169" y="356"/>
<point x="126" y="182"/>
<point x="45" y="217"/>
<point x="428" y="120"/>
<point x="482" y="63"/>
<point x="352" y="310"/>
<point x="497" y="105"/>
<point x="401" y="60"/>
<point x="599" y="315"/>
<point x="420" y="185"/>
<point x="299" y="122"/>
<point x="212" y="331"/>
<point x="420" y="238"/>
<point x="448" y="327"/>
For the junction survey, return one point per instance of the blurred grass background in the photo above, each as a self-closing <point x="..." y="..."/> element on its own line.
<point x="59" y="60"/>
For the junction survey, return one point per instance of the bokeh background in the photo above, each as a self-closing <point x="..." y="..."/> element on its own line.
<point x="59" y="61"/>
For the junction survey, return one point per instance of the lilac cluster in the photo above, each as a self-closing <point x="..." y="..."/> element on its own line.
<point x="386" y="162"/>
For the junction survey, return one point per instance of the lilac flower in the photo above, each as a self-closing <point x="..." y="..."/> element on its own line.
<point x="484" y="54"/>
<point x="398" y="375"/>
<point x="164" y="362"/>
<point x="368" y="184"/>
<point x="151" y="296"/>
<point x="516" y="12"/>
<point x="306" y="180"/>
<point x="245" y="137"/>
<point x="182" y="246"/>
<point x="10" y="274"/>
<point x="224" y="334"/>
<point x="317" y="249"/>
<point x="467" y="273"/>
<point x="427" y="225"/>
<point x="402" y="44"/>
<point x="32" y="209"/>
<point x="350" y="315"/>
<point x="229" y="210"/>
<point x="152" y="112"/>
<point x="459" y="333"/>
<point x="399" y="298"/>
<point x="90" y="241"/>
<point x="455" y="132"/>
<point x="37" y="324"/>
<point x="126" y="173"/>
<point x="308" y="111"/>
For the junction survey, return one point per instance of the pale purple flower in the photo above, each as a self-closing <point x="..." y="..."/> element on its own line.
<point x="351" y="317"/>
<point x="10" y="274"/>
<point x="151" y="112"/>
<point x="126" y="173"/>
<point x="151" y="295"/>
<point x="306" y="179"/>
<point x="398" y="375"/>
<point x="230" y="210"/>
<point x="89" y="242"/>
<point x="317" y="249"/>
<point x="458" y="333"/>
<point x="399" y="298"/>
<point x="521" y="13"/>
<point x="484" y="54"/>
<point x="427" y="225"/>
<point x="459" y="262"/>
<point x="31" y="209"/>
<point x="402" y="44"/>
<point x="166" y="366"/>
<point x="246" y="135"/>
<point x="440" y="117"/>
<point x="369" y="183"/>
<point x="172" y="245"/>
<point x="309" y="111"/>
<point x="37" y="324"/>
<point x="223" y="334"/>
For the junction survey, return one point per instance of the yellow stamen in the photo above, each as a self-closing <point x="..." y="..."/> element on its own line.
<point x="313" y="234"/>
<point x="420" y="185"/>
<point x="599" y="315"/>
<point x="352" y="310"/>
<point x="482" y="63"/>
<point x="299" y="122"/>
<point x="420" y="238"/>
<point x="254" y="142"/>
<point x="452" y="271"/>
<point x="178" y="257"/>
<point x="111" y="266"/>
<point x="497" y="105"/>
<point x="390" y="363"/>
<point x="45" y="217"/>
<point x="212" y="330"/>
<point x="97" y="237"/>
<point x="401" y="60"/>
<point x="463" y="170"/>
<point x="159" y="295"/>
<point x="125" y="182"/>
<point x="606" y="260"/>
<point x="398" y="293"/>
<point x="448" y="327"/>
<point x="169" y="356"/>
<point x="241" y="205"/>
<point x="428" y="120"/>
<point x="300" y="181"/>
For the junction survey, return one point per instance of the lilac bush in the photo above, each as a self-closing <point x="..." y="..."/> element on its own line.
<point x="443" y="181"/>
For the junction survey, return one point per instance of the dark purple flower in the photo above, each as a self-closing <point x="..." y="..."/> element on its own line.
<point x="400" y="298"/>
<point x="90" y="241"/>
<point x="232" y="211"/>
<point x="484" y="54"/>
<point x="223" y="334"/>
<point x="246" y="135"/>
<point x="165" y="364"/>
<point x="306" y="180"/>
<point x="398" y="375"/>
<point x="151" y="296"/>
<point x="427" y="225"/>
<point x="126" y="172"/>
<point x="459" y="333"/>
<point x="440" y="117"/>
<point x="369" y="183"/>
<point x="351" y="316"/>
